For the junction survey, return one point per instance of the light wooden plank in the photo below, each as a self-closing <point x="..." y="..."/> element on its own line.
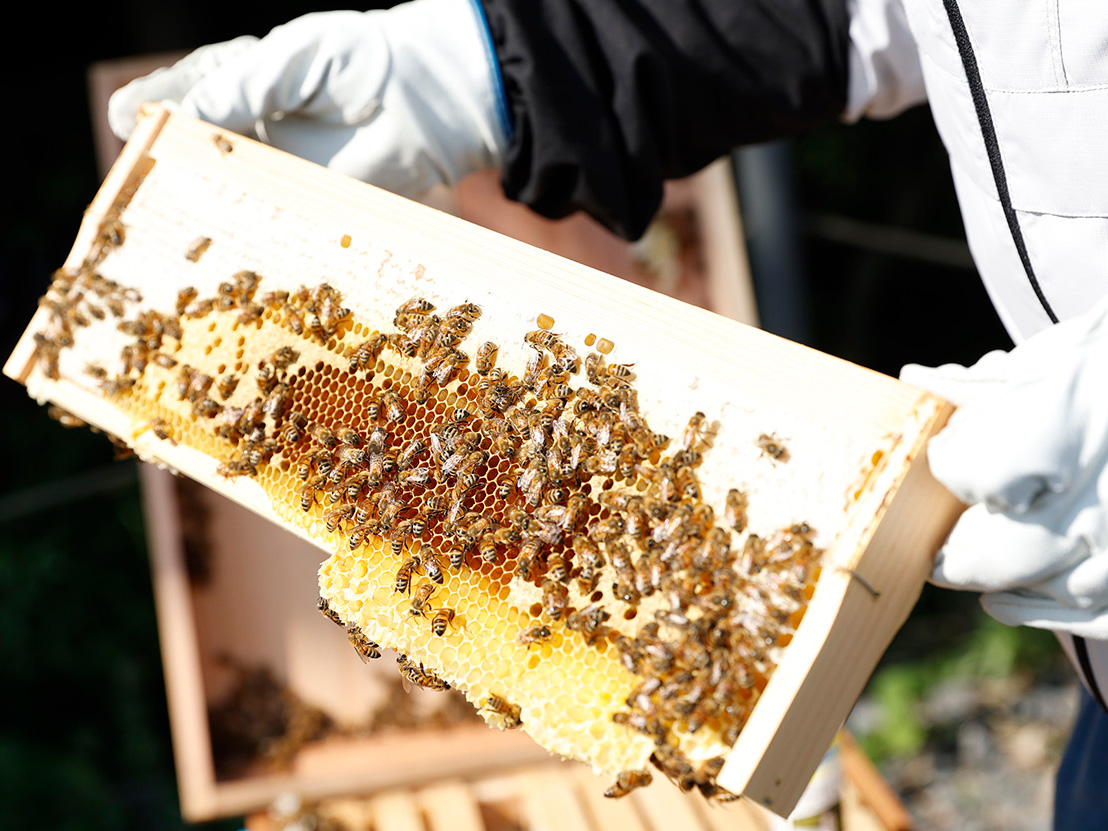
<point x="855" y="814"/>
<point x="353" y="812"/>
<point x="869" y="790"/>
<point x="188" y="710"/>
<point x="550" y="803"/>
<point x="397" y="811"/>
<point x="741" y="815"/>
<point x="451" y="806"/>
<point x="665" y="806"/>
<point x="728" y="269"/>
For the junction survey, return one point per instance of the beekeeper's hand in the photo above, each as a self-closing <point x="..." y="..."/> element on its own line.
<point x="1027" y="450"/>
<point x="404" y="98"/>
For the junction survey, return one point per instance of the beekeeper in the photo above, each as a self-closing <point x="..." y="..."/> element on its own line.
<point x="589" y="105"/>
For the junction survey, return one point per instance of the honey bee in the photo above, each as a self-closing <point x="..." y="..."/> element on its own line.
<point x="365" y="354"/>
<point x="542" y="339"/>
<point x="590" y="560"/>
<point x="329" y="613"/>
<point x="367" y="650"/>
<point x="407" y="455"/>
<point x="413" y="673"/>
<point x="202" y="408"/>
<point x="163" y="360"/>
<point x="348" y="456"/>
<point x="192" y="384"/>
<point x="403" y="582"/>
<point x="621" y="373"/>
<point x="322" y="436"/>
<point x="197" y="248"/>
<point x="734" y="512"/>
<point x="486" y="547"/>
<point x="199" y="308"/>
<point x="588" y="621"/>
<point x="696" y="432"/>
<point x="234" y="468"/>
<point x="441" y="620"/>
<point x="457" y="557"/>
<point x="556" y="568"/>
<point x="505" y="486"/>
<point x="222" y="144"/>
<point x="184" y="298"/>
<point x="277" y="401"/>
<point x="676" y="767"/>
<point x="414" y="476"/>
<point x="607" y="530"/>
<point x="420" y="604"/>
<point x="393" y="507"/>
<point x="394" y="410"/>
<point x="555" y="597"/>
<point x="485" y="358"/>
<point x="111" y="232"/>
<point x="628" y="781"/>
<point x="336" y="516"/>
<point x="536" y="634"/>
<point x="432" y="567"/>
<point x="435" y="506"/>
<point x="294" y="320"/>
<point x="687" y="484"/>
<point x="284" y="357"/>
<point x="64" y="417"/>
<point x="507" y="714"/>
<point x="773" y="447"/>
<point x="160" y="428"/>
<point x="309" y="490"/>
<point x="413" y="527"/>
<point x="465" y="311"/>
<point x="416" y="305"/>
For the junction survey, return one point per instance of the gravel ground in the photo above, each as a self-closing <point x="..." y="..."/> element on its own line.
<point x="990" y="756"/>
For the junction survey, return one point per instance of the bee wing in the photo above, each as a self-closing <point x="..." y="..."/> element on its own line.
<point x="365" y="658"/>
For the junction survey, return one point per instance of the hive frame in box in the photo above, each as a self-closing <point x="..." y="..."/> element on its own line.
<point x="552" y="797"/>
<point x="894" y="517"/>
<point x="198" y="624"/>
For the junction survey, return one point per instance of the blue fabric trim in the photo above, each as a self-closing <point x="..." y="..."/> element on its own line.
<point x="497" y="79"/>
<point x="1080" y="798"/>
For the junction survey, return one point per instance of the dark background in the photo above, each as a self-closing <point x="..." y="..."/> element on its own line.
<point x="84" y="740"/>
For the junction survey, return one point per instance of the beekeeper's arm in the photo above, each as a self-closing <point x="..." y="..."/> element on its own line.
<point x="582" y="104"/>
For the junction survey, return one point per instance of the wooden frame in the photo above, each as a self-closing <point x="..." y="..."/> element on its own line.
<point x="858" y="437"/>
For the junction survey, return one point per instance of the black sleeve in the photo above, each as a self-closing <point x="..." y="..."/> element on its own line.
<point x="610" y="97"/>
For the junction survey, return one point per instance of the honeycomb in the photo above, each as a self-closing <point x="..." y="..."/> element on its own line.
<point x="520" y="534"/>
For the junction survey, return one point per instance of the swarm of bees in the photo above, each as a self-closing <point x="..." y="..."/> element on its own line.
<point x="721" y="597"/>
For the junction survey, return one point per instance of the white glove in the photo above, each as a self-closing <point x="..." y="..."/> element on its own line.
<point x="1028" y="451"/>
<point x="405" y="98"/>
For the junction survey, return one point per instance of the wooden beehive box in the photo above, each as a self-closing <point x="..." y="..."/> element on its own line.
<point x="235" y="594"/>
<point x="854" y="468"/>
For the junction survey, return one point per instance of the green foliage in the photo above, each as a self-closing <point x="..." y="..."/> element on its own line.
<point x="990" y="650"/>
